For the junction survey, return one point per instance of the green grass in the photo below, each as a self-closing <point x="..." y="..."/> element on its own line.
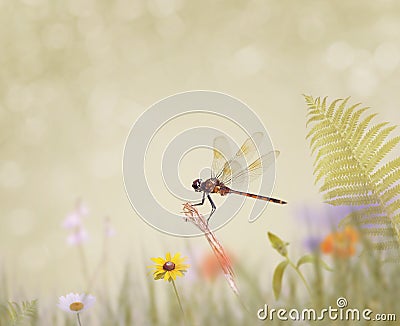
<point x="363" y="280"/>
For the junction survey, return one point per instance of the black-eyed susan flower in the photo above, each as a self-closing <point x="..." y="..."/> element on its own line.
<point x="169" y="268"/>
<point x="76" y="303"/>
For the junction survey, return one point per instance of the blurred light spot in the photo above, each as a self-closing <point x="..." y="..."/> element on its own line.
<point x="92" y="26"/>
<point x="134" y="54"/>
<point x="104" y="164"/>
<point x="102" y="103"/>
<point x="247" y="61"/>
<point x="363" y="58"/>
<point x="2" y="113"/>
<point x="340" y="55"/>
<point x="56" y="36"/>
<point x="362" y="81"/>
<point x="81" y="8"/>
<point x="162" y="8"/>
<point x="128" y="110"/>
<point x="63" y="179"/>
<point x="387" y="56"/>
<point x="311" y="27"/>
<point x="10" y="174"/>
<point x="128" y="9"/>
<point x="33" y="259"/>
<point x="171" y="27"/>
<point x="31" y="64"/>
<point x="20" y="221"/>
<point x="19" y="98"/>
<point x="387" y="26"/>
<point x="34" y="130"/>
<point x="34" y="2"/>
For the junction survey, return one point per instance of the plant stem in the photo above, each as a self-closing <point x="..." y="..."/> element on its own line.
<point x="79" y="319"/>
<point x="179" y="300"/>
<point x="83" y="263"/>
<point x="301" y="275"/>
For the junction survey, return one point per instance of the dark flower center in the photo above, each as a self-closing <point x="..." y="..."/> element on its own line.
<point x="168" y="266"/>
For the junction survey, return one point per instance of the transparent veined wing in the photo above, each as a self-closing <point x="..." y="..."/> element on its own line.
<point x="249" y="149"/>
<point x="253" y="170"/>
<point x="246" y="154"/>
<point x="222" y="152"/>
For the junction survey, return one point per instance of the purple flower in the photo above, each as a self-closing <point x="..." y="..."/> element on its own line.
<point x="312" y="242"/>
<point x="73" y="222"/>
<point x="74" y="219"/>
<point x="77" y="237"/>
<point x="109" y="231"/>
<point x="320" y="220"/>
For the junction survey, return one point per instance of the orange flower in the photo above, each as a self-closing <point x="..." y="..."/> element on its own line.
<point x="210" y="267"/>
<point x="340" y="243"/>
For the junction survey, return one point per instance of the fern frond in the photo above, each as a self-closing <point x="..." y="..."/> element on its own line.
<point x="369" y="139"/>
<point x="349" y="200"/>
<point x="385" y="245"/>
<point x="380" y="232"/>
<point x="372" y="147"/>
<point x="387" y="174"/>
<point x="393" y="207"/>
<point x="390" y="193"/>
<point x="359" y="216"/>
<point x="361" y="128"/>
<point x="348" y="152"/>
<point x="337" y="114"/>
<point x="332" y="107"/>
<point x="320" y="127"/>
<point x="14" y="313"/>
<point x="382" y="152"/>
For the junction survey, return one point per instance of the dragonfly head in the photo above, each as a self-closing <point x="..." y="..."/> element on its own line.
<point x="196" y="185"/>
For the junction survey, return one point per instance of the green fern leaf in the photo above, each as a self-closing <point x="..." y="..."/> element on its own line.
<point x="349" y="151"/>
<point x="386" y="245"/>
<point x="388" y="174"/>
<point x="14" y="313"/>
<point x="361" y="127"/>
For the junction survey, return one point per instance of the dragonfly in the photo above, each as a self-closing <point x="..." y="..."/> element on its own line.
<point x="235" y="170"/>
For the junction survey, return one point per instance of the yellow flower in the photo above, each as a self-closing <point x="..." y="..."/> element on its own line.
<point x="169" y="268"/>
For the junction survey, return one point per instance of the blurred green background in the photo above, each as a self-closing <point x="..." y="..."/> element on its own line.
<point x="75" y="75"/>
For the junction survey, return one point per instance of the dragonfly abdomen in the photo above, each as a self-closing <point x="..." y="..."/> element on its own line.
<point x="265" y="198"/>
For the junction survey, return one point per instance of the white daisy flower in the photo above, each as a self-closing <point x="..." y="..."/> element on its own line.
<point x="76" y="303"/>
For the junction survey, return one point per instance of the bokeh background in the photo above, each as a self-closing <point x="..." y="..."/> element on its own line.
<point x="75" y="75"/>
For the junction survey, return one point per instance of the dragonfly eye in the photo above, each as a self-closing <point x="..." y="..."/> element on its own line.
<point x="196" y="184"/>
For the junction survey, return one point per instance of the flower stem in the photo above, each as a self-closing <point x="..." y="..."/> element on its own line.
<point x="79" y="319"/>
<point x="301" y="276"/>
<point x="179" y="300"/>
<point x="83" y="263"/>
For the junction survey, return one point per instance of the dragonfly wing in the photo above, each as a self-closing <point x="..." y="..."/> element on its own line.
<point x="249" y="149"/>
<point x="221" y="152"/>
<point x="248" y="152"/>
<point x="254" y="170"/>
<point x="230" y="169"/>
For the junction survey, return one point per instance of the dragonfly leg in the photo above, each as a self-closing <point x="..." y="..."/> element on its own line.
<point x="202" y="201"/>
<point x="213" y="207"/>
